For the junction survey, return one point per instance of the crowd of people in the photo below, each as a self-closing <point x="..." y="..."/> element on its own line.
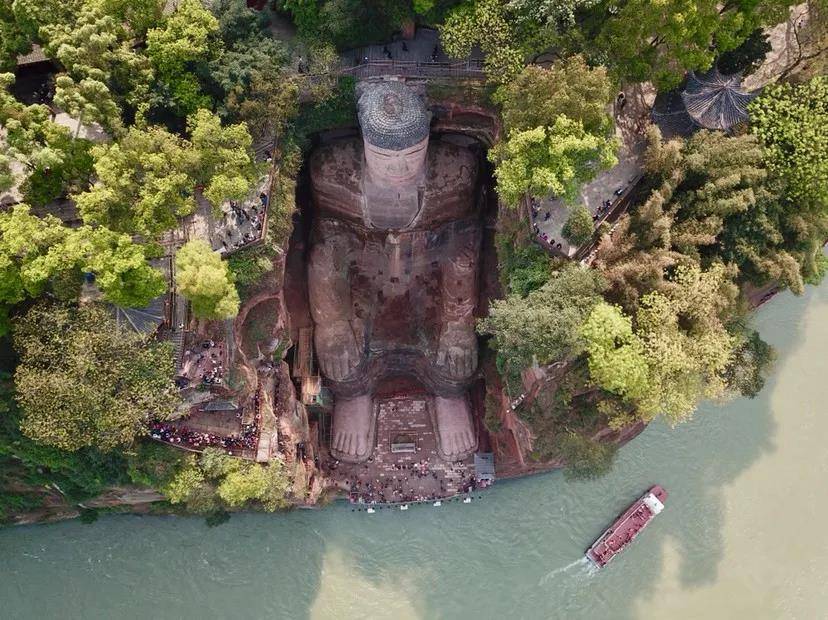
<point x="405" y="486"/>
<point x="243" y="223"/>
<point x="535" y="206"/>
<point x="204" y="364"/>
<point x="182" y="435"/>
<point x="540" y="215"/>
<point x="187" y="437"/>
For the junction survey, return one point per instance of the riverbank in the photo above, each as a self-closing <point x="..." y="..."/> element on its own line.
<point x="516" y="553"/>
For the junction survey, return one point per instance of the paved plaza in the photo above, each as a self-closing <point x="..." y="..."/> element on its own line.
<point x="401" y="477"/>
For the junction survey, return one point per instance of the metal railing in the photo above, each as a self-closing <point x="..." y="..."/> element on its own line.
<point x="471" y="69"/>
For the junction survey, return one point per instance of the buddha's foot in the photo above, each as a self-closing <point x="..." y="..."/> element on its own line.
<point x="456" y="438"/>
<point x="352" y="438"/>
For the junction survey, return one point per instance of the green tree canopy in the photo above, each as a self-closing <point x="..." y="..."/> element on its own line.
<point x="714" y="199"/>
<point x="643" y="40"/>
<point x="225" y="157"/>
<point x="88" y="100"/>
<point x="578" y="227"/>
<point x="144" y="183"/>
<point x="485" y="23"/>
<point x="544" y="325"/>
<point x="559" y="14"/>
<point x="679" y="350"/>
<point x="138" y="15"/>
<point x="35" y="252"/>
<point x="180" y="50"/>
<point x="791" y="123"/>
<point x="214" y="480"/>
<point x="99" y="44"/>
<point x="51" y="161"/>
<point x="147" y="180"/>
<point x="537" y="96"/>
<point x="82" y="381"/>
<point x="203" y="278"/>
<point x="556" y="160"/>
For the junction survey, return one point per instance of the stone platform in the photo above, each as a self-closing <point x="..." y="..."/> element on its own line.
<point x="391" y="477"/>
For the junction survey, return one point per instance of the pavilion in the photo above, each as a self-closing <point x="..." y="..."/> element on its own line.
<point x="707" y="101"/>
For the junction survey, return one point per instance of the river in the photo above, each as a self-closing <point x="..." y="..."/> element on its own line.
<point x="743" y="534"/>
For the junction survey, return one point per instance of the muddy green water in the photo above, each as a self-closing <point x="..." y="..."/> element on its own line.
<point x="745" y="533"/>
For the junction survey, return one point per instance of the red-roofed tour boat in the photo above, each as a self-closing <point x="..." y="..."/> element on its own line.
<point x="626" y="527"/>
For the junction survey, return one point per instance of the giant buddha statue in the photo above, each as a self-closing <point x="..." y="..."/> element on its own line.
<point x="393" y="269"/>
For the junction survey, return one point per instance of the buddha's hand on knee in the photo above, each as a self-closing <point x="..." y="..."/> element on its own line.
<point x="457" y="350"/>
<point x="338" y="351"/>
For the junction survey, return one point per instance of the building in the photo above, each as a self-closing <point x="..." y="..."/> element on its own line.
<point x="706" y="101"/>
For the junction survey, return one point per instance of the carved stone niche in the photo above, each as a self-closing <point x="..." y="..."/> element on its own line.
<point x="393" y="269"/>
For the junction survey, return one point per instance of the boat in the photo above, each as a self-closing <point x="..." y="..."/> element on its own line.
<point x="626" y="527"/>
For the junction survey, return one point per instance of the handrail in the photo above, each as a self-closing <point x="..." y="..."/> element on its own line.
<point x="410" y="68"/>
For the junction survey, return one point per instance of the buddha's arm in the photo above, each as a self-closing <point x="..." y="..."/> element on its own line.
<point x="457" y="349"/>
<point x="338" y="348"/>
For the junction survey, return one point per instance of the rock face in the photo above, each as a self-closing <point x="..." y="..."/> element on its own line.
<point x="392" y="274"/>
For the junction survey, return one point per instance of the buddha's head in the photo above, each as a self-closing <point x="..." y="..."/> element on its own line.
<point x="395" y="126"/>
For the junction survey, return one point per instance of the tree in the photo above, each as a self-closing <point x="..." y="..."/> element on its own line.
<point x="138" y="15"/>
<point x="559" y="14"/>
<point x="148" y="179"/>
<point x="579" y="227"/>
<point x="13" y="40"/>
<point x="680" y="350"/>
<point x="746" y="58"/>
<point x="144" y="183"/>
<point x="203" y="278"/>
<point x="6" y="175"/>
<point x="83" y="382"/>
<point x="556" y="159"/>
<point x="714" y="200"/>
<point x="484" y="23"/>
<point x="267" y="484"/>
<point x="88" y="100"/>
<point x="214" y="481"/>
<point x="543" y="326"/>
<point x="225" y="157"/>
<point x="121" y="270"/>
<point x="790" y="122"/>
<point x="35" y="252"/>
<point x="44" y="149"/>
<point x="180" y="50"/>
<point x="537" y="96"/>
<point x="99" y="44"/>
<point x="71" y="174"/>
<point x="523" y="268"/>
<point x="617" y="360"/>
<point x="660" y="41"/>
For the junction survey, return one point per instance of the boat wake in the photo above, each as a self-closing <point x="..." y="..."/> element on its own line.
<point x="583" y="566"/>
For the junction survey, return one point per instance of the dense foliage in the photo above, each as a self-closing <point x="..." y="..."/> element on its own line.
<point x="84" y="382"/>
<point x="215" y="481"/>
<point x="168" y="101"/>
<point x="561" y="139"/>
<point x="203" y="278"/>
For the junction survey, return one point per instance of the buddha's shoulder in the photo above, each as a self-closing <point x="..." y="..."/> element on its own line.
<point x="343" y="156"/>
<point x="450" y="165"/>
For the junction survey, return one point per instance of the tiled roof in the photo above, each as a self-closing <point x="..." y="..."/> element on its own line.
<point x="716" y="101"/>
<point x="33" y="57"/>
